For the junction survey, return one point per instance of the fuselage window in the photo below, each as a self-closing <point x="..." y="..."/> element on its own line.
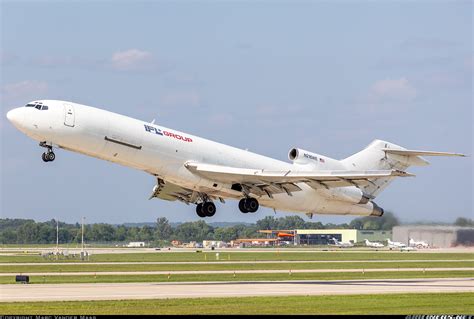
<point x="45" y="107"/>
<point x="38" y="106"/>
<point x="30" y="105"/>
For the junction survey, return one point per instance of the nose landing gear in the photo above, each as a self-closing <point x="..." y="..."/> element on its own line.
<point x="49" y="155"/>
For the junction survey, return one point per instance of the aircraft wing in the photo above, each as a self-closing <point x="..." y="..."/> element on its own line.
<point x="261" y="182"/>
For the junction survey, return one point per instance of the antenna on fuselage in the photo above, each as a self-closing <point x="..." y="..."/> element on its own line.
<point x="153" y="122"/>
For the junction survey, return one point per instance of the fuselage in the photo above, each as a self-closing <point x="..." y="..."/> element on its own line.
<point x="163" y="152"/>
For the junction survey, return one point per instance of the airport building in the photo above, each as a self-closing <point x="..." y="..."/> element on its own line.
<point x="324" y="236"/>
<point x="435" y="236"/>
<point x="136" y="244"/>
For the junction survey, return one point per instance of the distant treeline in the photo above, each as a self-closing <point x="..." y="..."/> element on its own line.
<point x="27" y="231"/>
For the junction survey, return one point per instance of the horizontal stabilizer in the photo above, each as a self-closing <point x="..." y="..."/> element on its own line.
<point x="419" y="153"/>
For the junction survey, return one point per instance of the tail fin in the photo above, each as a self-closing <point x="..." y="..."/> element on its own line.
<point x="382" y="155"/>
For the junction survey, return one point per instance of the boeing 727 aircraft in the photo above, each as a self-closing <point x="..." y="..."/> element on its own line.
<point x="197" y="171"/>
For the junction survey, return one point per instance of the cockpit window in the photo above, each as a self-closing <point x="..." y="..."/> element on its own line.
<point x="37" y="105"/>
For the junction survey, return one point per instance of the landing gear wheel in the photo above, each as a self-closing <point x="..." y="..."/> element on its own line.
<point x="242" y="207"/>
<point x="50" y="156"/>
<point x="199" y="211"/>
<point x="209" y="209"/>
<point x="251" y="204"/>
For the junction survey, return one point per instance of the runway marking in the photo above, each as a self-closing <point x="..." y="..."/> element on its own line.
<point x="256" y="271"/>
<point x="56" y="292"/>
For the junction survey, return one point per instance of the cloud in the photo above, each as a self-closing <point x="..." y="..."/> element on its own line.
<point x="428" y="43"/>
<point x="23" y="91"/>
<point x="7" y="58"/>
<point x="181" y="98"/>
<point x="392" y="90"/>
<point x="133" y="60"/>
<point x="65" y="61"/>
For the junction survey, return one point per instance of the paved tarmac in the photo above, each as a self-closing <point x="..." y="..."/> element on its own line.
<point x="120" y="291"/>
<point x="67" y="263"/>
<point x="123" y="250"/>
<point x="250" y="271"/>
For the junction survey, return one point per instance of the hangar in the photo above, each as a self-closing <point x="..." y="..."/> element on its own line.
<point x="323" y="236"/>
<point x="435" y="236"/>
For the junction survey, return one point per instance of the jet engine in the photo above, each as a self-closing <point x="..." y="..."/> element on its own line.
<point x="300" y="156"/>
<point x="348" y="194"/>
<point x="303" y="157"/>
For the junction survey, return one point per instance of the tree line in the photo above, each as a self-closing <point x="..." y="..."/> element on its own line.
<point x="27" y="231"/>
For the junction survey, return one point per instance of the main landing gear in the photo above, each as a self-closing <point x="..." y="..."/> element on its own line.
<point x="248" y="205"/>
<point x="49" y="155"/>
<point x="206" y="209"/>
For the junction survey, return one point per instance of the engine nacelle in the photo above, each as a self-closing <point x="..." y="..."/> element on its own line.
<point x="302" y="157"/>
<point x="316" y="161"/>
<point x="378" y="211"/>
<point x="345" y="194"/>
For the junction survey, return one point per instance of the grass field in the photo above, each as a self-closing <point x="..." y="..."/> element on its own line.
<point x="445" y="303"/>
<point x="98" y="278"/>
<point x="227" y="266"/>
<point x="249" y="256"/>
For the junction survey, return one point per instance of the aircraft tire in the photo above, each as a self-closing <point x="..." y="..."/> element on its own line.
<point x="51" y="156"/>
<point x="199" y="211"/>
<point x="44" y="157"/>
<point x="209" y="209"/>
<point x="242" y="206"/>
<point x="251" y="204"/>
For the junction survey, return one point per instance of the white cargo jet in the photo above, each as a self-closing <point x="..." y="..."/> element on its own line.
<point x="373" y="244"/>
<point x="395" y="244"/>
<point x="342" y="244"/>
<point x="197" y="171"/>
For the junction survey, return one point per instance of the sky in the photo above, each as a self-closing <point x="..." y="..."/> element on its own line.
<point x="325" y="76"/>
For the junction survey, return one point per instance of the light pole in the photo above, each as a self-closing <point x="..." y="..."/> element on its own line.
<point x="57" y="236"/>
<point x="82" y="241"/>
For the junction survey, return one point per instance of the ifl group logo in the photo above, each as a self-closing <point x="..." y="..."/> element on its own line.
<point x="158" y="131"/>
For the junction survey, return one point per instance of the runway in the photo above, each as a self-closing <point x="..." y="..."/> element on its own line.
<point x="233" y="262"/>
<point x="119" y="291"/>
<point x="210" y="272"/>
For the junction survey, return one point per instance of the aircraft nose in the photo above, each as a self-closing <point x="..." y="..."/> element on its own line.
<point x="15" y="116"/>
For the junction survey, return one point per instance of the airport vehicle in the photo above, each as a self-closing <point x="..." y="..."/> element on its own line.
<point x="395" y="244"/>
<point x="418" y="244"/>
<point x="197" y="171"/>
<point x="373" y="244"/>
<point x="342" y="244"/>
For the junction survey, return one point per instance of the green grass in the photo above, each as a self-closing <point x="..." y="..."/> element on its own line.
<point x="249" y="256"/>
<point x="232" y="266"/>
<point x="424" y="303"/>
<point x="98" y="278"/>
